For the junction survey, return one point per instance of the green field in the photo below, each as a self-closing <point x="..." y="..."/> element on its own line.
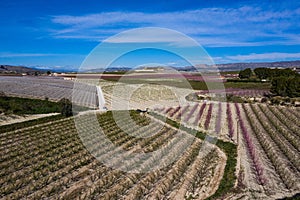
<point x="21" y="106"/>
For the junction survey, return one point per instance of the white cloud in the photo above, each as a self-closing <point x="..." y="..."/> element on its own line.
<point x="16" y="54"/>
<point x="10" y="55"/>
<point x="153" y="35"/>
<point x="244" y="26"/>
<point x="171" y="63"/>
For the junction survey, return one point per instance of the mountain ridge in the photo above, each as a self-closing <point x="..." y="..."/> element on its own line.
<point x="221" y="67"/>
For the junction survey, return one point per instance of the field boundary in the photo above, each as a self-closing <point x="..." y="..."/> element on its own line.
<point x="29" y="123"/>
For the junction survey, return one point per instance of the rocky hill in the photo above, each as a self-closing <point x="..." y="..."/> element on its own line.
<point x="9" y="69"/>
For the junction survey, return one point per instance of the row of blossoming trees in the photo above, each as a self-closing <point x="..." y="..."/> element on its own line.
<point x="50" y="161"/>
<point x="269" y="135"/>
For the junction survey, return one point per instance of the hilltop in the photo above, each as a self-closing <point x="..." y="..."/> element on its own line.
<point x="244" y="65"/>
<point x="10" y="69"/>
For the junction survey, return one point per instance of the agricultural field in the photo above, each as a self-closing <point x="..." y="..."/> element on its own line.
<point x="139" y="85"/>
<point x="38" y="87"/>
<point x="268" y="142"/>
<point x="49" y="161"/>
<point x="142" y="95"/>
<point x="239" y="92"/>
<point x="51" y="88"/>
<point x="15" y="110"/>
<point x="239" y="151"/>
<point x="150" y="100"/>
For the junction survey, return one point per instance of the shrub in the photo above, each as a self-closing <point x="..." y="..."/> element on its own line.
<point x="246" y="73"/>
<point x="66" y="107"/>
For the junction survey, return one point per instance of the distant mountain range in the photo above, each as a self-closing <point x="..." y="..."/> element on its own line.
<point x="221" y="67"/>
<point x="252" y="65"/>
<point x="240" y="66"/>
<point x="18" y="69"/>
<point x="12" y="69"/>
<point x="111" y="69"/>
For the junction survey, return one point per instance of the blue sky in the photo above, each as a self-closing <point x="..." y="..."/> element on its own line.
<point x="60" y="34"/>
